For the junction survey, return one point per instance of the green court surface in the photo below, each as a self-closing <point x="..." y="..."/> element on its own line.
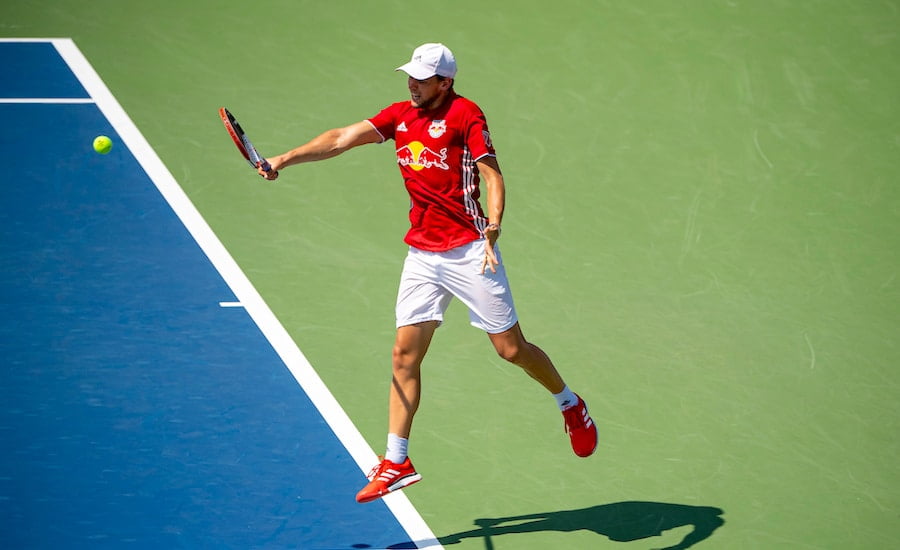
<point x="702" y="231"/>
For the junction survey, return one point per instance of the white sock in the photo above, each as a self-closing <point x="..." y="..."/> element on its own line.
<point x="566" y="399"/>
<point x="396" y="448"/>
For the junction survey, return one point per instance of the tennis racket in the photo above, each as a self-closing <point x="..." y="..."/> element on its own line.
<point x="242" y="141"/>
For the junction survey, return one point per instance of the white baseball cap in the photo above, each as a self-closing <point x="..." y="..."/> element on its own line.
<point x="429" y="60"/>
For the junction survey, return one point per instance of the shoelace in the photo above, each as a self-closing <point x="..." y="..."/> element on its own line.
<point x="574" y="417"/>
<point x="377" y="469"/>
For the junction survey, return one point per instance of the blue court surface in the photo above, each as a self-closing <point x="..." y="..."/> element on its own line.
<point x="142" y="404"/>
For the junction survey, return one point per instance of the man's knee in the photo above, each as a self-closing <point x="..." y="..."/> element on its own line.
<point x="513" y="352"/>
<point x="511" y="345"/>
<point x="401" y="357"/>
<point x="406" y="362"/>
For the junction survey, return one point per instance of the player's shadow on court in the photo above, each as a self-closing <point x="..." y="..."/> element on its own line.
<point x="619" y="521"/>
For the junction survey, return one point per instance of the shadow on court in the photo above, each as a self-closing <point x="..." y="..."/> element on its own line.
<point x="619" y="521"/>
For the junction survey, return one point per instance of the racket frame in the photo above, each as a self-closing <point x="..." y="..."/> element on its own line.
<point x="243" y="143"/>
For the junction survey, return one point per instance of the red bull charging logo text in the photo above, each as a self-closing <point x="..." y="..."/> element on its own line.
<point x="417" y="156"/>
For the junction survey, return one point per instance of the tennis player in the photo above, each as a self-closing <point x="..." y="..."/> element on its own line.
<point x="444" y="151"/>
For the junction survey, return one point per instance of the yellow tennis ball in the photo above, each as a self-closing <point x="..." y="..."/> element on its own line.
<point x="102" y="144"/>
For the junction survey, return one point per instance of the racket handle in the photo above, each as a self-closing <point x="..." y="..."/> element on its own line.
<point x="264" y="165"/>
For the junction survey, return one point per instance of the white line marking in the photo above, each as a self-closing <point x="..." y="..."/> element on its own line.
<point x="40" y="40"/>
<point x="230" y="304"/>
<point x="278" y="337"/>
<point x="50" y="100"/>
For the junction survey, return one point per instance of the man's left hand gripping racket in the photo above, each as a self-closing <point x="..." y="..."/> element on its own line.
<point x="243" y="142"/>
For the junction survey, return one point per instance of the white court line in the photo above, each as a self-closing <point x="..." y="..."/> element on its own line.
<point x="32" y="40"/>
<point x="41" y="100"/>
<point x="52" y="100"/>
<point x="247" y="295"/>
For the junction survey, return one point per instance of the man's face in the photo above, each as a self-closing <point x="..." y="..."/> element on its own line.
<point x="428" y="93"/>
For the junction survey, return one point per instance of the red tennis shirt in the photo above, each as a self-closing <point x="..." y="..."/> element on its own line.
<point x="437" y="151"/>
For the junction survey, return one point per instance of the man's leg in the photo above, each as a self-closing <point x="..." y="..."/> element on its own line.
<point x="512" y="346"/>
<point x="396" y="470"/>
<point x="410" y="347"/>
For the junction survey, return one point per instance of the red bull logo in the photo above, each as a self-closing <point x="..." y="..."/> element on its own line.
<point x="437" y="128"/>
<point x="417" y="156"/>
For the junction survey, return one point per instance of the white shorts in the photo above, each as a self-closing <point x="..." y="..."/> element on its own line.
<point x="431" y="279"/>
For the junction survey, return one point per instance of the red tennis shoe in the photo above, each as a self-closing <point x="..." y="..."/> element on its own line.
<point x="581" y="429"/>
<point x="387" y="477"/>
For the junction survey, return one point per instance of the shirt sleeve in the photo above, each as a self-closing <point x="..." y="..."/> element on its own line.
<point x="384" y="122"/>
<point x="478" y="137"/>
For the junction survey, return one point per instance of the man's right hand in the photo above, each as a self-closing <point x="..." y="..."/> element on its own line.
<point x="272" y="174"/>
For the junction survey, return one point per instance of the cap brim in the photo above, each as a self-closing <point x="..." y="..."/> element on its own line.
<point x="416" y="71"/>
